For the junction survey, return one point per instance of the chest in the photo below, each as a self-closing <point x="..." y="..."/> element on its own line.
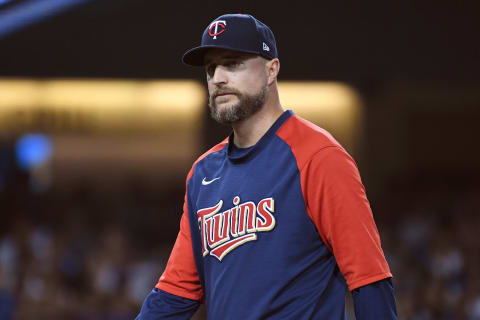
<point x="238" y="202"/>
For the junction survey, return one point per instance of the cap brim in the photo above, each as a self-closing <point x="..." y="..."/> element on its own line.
<point x="196" y="56"/>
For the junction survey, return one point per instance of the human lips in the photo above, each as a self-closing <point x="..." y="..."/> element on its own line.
<point x="224" y="93"/>
<point x="224" y="96"/>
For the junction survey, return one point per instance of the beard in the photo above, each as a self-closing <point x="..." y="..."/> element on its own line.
<point x="247" y="105"/>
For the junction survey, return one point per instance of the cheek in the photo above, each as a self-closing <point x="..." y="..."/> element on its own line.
<point x="210" y="87"/>
<point x="254" y="83"/>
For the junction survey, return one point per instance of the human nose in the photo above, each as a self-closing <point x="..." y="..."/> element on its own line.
<point x="219" y="76"/>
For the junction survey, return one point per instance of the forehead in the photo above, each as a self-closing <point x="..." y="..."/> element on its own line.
<point x="217" y="54"/>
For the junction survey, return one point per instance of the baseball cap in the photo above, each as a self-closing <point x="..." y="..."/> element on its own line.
<point x="237" y="32"/>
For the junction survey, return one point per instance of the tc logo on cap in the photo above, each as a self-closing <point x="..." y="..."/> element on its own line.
<point x="216" y="25"/>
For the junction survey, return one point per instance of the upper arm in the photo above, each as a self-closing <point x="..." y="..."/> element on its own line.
<point x="180" y="276"/>
<point x="337" y="203"/>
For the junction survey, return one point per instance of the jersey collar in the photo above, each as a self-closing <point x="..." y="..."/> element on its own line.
<point x="242" y="154"/>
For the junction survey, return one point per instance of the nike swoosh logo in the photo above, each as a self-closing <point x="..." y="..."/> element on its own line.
<point x="205" y="182"/>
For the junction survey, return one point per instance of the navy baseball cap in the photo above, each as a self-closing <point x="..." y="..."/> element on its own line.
<point x="237" y="32"/>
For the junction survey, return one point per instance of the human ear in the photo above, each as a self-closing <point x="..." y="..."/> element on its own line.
<point x="272" y="68"/>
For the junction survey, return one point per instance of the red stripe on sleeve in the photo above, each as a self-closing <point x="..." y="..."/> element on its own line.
<point x="336" y="202"/>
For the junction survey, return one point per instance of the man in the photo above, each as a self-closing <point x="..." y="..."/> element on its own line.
<point x="276" y="223"/>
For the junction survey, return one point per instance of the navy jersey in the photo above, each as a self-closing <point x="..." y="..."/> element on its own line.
<point x="278" y="231"/>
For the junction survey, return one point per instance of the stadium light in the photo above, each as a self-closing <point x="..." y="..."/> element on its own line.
<point x="29" y="12"/>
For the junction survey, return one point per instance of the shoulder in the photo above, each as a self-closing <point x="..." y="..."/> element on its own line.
<point x="216" y="148"/>
<point x="204" y="157"/>
<point x="298" y="131"/>
<point x="306" y="139"/>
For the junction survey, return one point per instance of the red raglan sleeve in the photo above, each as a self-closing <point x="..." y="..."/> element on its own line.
<point x="180" y="276"/>
<point x="337" y="203"/>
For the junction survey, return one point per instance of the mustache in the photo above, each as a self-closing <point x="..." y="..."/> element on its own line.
<point x="221" y="91"/>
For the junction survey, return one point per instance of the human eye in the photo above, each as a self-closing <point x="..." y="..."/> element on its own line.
<point x="232" y="63"/>
<point x="210" y="69"/>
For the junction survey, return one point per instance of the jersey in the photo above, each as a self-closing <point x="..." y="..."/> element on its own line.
<point x="280" y="230"/>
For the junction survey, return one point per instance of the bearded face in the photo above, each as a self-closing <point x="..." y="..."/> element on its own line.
<point x="243" y="107"/>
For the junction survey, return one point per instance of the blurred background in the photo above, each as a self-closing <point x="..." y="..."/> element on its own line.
<point x="100" y="123"/>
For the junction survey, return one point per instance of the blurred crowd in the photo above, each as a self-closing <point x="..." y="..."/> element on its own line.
<point x="79" y="254"/>
<point x="430" y="234"/>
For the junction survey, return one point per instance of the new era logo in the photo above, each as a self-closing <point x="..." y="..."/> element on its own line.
<point x="265" y="47"/>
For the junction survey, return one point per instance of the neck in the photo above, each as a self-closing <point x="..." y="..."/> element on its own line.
<point x="247" y="132"/>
